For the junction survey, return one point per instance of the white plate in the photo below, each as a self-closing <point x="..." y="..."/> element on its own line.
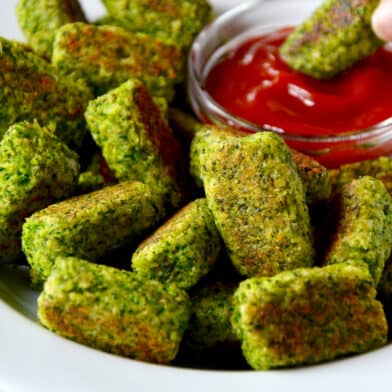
<point x="34" y="359"/>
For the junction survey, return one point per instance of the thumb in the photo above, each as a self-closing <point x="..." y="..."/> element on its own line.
<point x="382" y="20"/>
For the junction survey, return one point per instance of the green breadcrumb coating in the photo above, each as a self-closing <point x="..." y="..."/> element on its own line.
<point x="30" y="89"/>
<point x="314" y="176"/>
<point x="89" y="182"/>
<point x="258" y="202"/>
<point x="364" y="232"/>
<point x="135" y="140"/>
<point x="39" y="20"/>
<point x="36" y="169"/>
<point x="107" y="56"/>
<point x="380" y="168"/>
<point x="114" y="310"/>
<point x="174" y="21"/>
<point x="338" y="34"/>
<point x="307" y="316"/>
<point x="88" y="226"/>
<point x="210" y="319"/>
<point x="181" y="251"/>
<point x="202" y="138"/>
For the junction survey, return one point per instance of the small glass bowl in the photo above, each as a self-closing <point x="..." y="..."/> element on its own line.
<point x="253" y="19"/>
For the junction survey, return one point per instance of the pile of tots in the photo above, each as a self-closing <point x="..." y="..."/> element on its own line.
<point x="98" y="159"/>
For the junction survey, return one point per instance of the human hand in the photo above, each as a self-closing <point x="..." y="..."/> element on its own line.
<point x="382" y="20"/>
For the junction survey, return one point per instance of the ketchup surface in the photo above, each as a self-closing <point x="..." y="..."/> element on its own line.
<point x="253" y="83"/>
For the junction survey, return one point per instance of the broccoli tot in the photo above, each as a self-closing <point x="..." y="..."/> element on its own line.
<point x="107" y="56"/>
<point x="308" y="315"/>
<point x="204" y="135"/>
<point x="136" y="141"/>
<point x="114" y="310"/>
<point x="364" y="225"/>
<point x="258" y="201"/>
<point x="39" y="20"/>
<point x="337" y="35"/>
<point x="174" y="21"/>
<point x="210" y="319"/>
<point x="380" y="168"/>
<point x="31" y="90"/>
<point x="314" y="176"/>
<point x="88" y="226"/>
<point x="181" y="251"/>
<point x="36" y="169"/>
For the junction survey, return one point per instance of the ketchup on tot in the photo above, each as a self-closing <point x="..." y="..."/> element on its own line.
<point x="253" y="83"/>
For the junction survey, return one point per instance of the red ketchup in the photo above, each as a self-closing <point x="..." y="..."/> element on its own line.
<point x="253" y="83"/>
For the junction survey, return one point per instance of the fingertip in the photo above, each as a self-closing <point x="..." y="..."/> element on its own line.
<point x="382" y="20"/>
